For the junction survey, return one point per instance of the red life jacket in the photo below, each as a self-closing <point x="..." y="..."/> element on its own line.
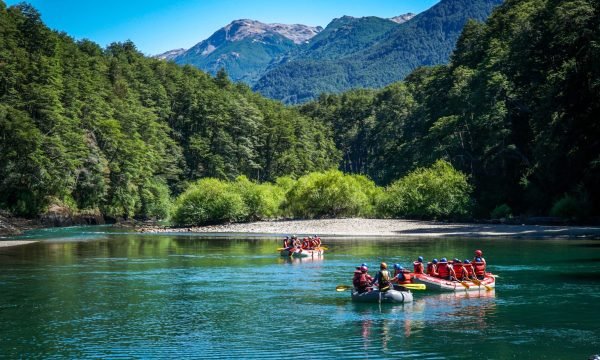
<point x="432" y="269"/>
<point x="418" y="267"/>
<point x="479" y="268"/>
<point x="443" y="270"/>
<point x="461" y="272"/>
<point x="457" y="268"/>
<point x="305" y="244"/>
<point x="451" y="272"/>
<point x="313" y="244"/>
<point x="470" y="270"/>
<point x="361" y="280"/>
<point x="286" y="243"/>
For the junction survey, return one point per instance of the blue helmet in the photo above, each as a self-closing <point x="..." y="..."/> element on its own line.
<point x="420" y="259"/>
<point x="478" y="259"/>
<point x="397" y="266"/>
<point x="444" y="260"/>
<point x="364" y="264"/>
<point x="456" y="260"/>
<point x="435" y="261"/>
<point x="467" y="261"/>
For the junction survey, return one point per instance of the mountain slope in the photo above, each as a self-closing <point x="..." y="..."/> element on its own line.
<point x="245" y="48"/>
<point x="426" y="39"/>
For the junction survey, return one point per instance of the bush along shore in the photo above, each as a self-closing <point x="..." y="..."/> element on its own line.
<point x="438" y="192"/>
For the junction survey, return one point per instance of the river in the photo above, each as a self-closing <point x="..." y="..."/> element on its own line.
<point x="99" y="292"/>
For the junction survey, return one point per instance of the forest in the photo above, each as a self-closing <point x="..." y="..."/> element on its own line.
<point x="515" y="114"/>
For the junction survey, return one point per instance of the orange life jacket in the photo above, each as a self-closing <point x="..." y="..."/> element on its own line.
<point x="403" y="276"/>
<point x="443" y="270"/>
<point x="432" y="269"/>
<point x="479" y="268"/>
<point x="418" y="267"/>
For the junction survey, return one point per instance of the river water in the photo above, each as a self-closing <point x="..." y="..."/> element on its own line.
<point x="101" y="293"/>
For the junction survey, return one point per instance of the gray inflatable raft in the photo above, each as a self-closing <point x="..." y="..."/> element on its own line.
<point x="390" y="296"/>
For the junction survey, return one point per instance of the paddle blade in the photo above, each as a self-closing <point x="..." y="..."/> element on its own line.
<point x="342" y="288"/>
<point x="415" y="286"/>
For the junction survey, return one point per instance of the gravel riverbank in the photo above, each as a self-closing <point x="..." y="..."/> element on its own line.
<point x="387" y="227"/>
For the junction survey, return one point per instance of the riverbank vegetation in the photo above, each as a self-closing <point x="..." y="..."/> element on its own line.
<point x="439" y="192"/>
<point x="513" y="116"/>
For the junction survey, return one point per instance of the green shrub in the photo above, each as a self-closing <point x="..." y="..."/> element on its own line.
<point x="330" y="194"/>
<point x="155" y="199"/>
<point x="571" y="208"/>
<point x="436" y="192"/>
<point x="209" y="201"/>
<point x="501" y="212"/>
<point x="262" y="200"/>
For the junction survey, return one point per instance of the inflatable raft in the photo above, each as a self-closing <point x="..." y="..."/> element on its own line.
<point x="433" y="283"/>
<point x="390" y="296"/>
<point x="302" y="253"/>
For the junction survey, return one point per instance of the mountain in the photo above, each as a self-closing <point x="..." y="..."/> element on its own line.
<point x="169" y="55"/>
<point x="426" y="39"/>
<point x="403" y="18"/>
<point x="245" y="48"/>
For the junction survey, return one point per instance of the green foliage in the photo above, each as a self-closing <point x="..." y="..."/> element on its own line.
<point x="571" y="208"/>
<point x="209" y="201"/>
<point x="262" y="200"/>
<point x="331" y="194"/>
<point x="502" y="211"/>
<point x="516" y="110"/>
<point x="155" y="199"/>
<point x="438" y="192"/>
<point x="79" y="122"/>
<point x="370" y="52"/>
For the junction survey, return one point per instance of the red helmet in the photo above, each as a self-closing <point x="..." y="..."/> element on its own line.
<point x="478" y="253"/>
<point x="364" y="269"/>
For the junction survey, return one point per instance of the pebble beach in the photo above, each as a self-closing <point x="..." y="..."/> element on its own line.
<point x="386" y="228"/>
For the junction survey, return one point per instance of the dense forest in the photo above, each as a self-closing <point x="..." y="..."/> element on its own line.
<point x="109" y="131"/>
<point x="517" y="109"/>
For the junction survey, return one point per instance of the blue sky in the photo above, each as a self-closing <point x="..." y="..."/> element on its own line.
<point x="159" y="25"/>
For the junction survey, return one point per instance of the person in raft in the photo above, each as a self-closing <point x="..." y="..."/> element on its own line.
<point x="479" y="254"/>
<point x="317" y="241"/>
<point x="362" y="280"/>
<point x="382" y="278"/>
<point x="432" y="268"/>
<point x="470" y="270"/>
<point x="296" y="242"/>
<point x="459" y="270"/>
<point x="305" y="243"/>
<point x="287" y="243"/>
<point x="418" y="267"/>
<point x="445" y="270"/>
<point x="479" y="267"/>
<point x="401" y="275"/>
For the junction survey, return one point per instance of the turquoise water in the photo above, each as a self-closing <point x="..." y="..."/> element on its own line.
<point x="102" y="293"/>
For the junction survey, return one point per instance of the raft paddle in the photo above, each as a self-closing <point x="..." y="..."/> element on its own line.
<point x="464" y="283"/>
<point x="408" y="286"/>
<point x="478" y="282"/>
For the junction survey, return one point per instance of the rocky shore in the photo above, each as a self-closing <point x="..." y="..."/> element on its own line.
<point x="387" y="227"/>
